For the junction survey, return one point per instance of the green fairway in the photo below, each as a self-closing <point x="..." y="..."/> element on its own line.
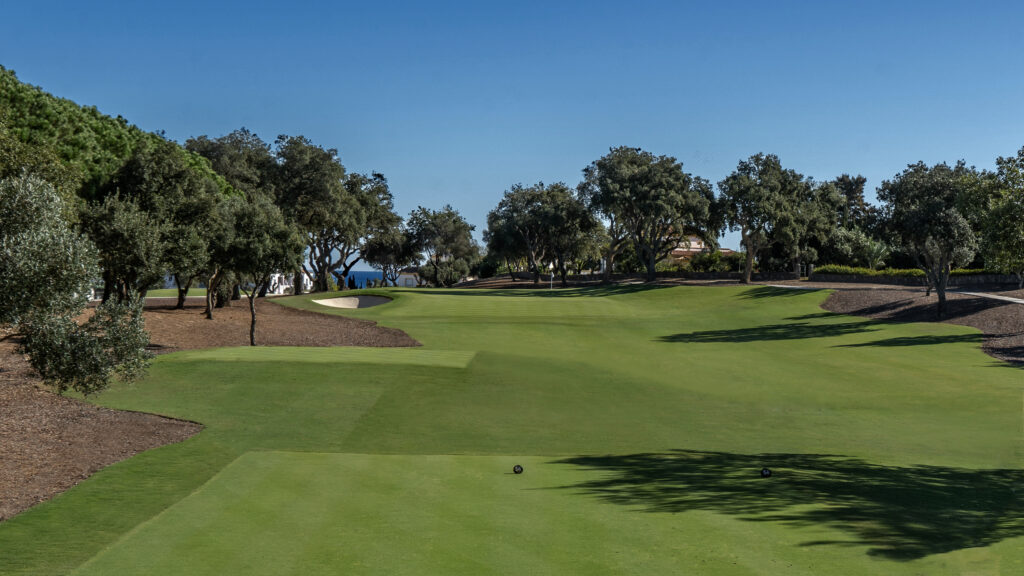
<point x="642" y="415"/>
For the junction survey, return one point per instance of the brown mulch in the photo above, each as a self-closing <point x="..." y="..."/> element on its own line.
<point x="49" y="443"/>
<point x="276" y="325"/>
<point x="1002" y="323"/>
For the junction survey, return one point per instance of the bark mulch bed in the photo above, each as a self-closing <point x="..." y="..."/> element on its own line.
<point x="49" y="443"/>
<point x="276" y="325"/>
<point x="1002" y="323"/>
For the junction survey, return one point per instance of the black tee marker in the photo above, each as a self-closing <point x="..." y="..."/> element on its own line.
<point x="517" y="469"/>
<point x="766" y="473"/>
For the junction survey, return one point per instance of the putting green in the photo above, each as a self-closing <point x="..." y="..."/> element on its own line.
<point x="647" y="411"/>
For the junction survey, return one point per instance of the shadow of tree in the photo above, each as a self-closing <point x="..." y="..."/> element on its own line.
<point x="900" y="513"/>
<point x="918" y="341"/>
<point x="774" y="292"/>
<point x="812" y="316"/>
<point x="922" y="309"/>
<point x="792" y="331"/>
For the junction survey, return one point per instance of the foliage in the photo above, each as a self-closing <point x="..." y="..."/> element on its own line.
<point x="46" y="270"/>
<point x="241" y="157"/>
<point x="852" y="246"/>
<point x="1004" y="233"/>
<point x="131" y="245"/>
<point x="111" y="343"/>
<point x="760" y="200"/>
<point x="17" y="158"/>
<point x="446" y="241"/>
<point x="45" y="267"/>
<point x="518" y="226"/>
<point x="160" y="180"/>
<point x="91" y="144"/>
<point x="650" y="200"/>
<point x="263" y="244"/>
<point x="369" y="211"/>
<point x="928" y="211"/>
<point x="710" y="261"/>
<point x="82" y="137"/>
<point x="310" y="190"/>
<point x="543" y="224"/>
<point x="389" y="250"/>
<point x="860" y="271"/>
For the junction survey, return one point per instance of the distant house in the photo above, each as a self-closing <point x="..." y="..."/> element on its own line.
<point x="691" y="247"/>
<point x="282" y="283"/>
<point x="408" y="277"/>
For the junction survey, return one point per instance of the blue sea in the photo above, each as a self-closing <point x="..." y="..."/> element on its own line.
<point x="362" y="276"/>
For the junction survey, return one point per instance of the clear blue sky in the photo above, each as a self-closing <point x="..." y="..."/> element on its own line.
<point x="455" y="102"/>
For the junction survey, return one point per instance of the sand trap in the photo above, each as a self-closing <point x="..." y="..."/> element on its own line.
<point x="354" y="301"/>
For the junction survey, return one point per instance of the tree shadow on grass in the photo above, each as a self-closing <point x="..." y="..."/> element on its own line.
<point x="918" y="341"/>
<point x="900" y="513"/>
<point x="791" y="331"/>
<point x="774" y="292"/>
<point x="813" y="316"/>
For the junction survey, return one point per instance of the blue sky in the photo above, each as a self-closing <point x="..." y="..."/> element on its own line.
<point x="455" y="102"/>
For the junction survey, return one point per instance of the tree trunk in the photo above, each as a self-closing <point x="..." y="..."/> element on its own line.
<point x="297" y="286"/>
<point x="609" y="261"/>
<point x="748" y="264"/>
<point x="252" y="325"/>
<point x="941" y="279"/>
<point x="236" y="292"/>
<point x="652" y="265"/>
<point x="182" y="291"/>
<point x="211" y="289"/>
<point x="108" y="285"/>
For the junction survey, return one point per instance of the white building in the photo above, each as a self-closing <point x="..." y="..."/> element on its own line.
<point x="282" y="283"/>
<point x="408" y="277"/>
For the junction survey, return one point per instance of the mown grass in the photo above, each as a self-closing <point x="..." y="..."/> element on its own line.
<point x="643" y="416"/>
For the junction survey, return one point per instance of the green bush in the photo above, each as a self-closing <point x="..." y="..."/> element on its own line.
<point x="707" y="262"/>
<point x="84" y="358"/>
<point x="858" y="271"/>
<point x="902" y="272"/>
<point x="734" y="261"/>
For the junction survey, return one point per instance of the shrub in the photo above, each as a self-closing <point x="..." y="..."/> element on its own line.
<point x="904" y="272"/>
<point x="858" y="271"/>
<point x="85" y="357"/>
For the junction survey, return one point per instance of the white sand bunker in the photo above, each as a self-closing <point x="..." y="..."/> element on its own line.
<point x="354" y="301"/>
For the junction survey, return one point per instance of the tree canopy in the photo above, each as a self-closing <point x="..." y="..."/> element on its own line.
<point x="446" y="241"/>
<point x="650" y="200"/>
<point x="926" y="207"/>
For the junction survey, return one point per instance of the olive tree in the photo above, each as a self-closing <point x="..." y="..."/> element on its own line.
<point x="649" y="200"/>
<point x="925" y="209"/>
<point x="46" y="273"/>
<point x="263" y="244"/>
<point x="1004" y="235"/>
